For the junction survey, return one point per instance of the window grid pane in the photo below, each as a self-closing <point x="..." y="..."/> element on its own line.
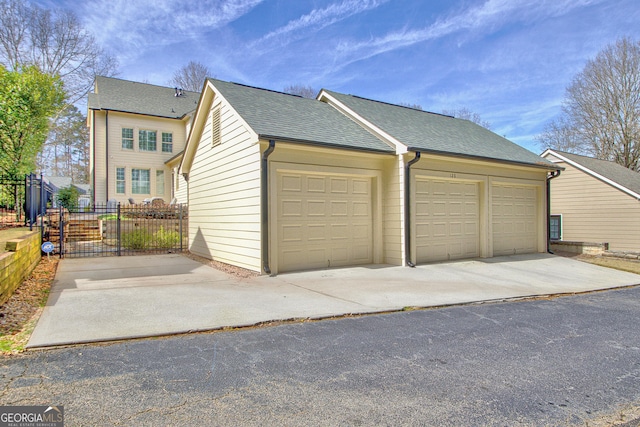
<point x="160" y="183"/>
<point x="120" y="183"/>
<point x="127" y="138"/>
<point x="147" y="140"/>
<point x="167" y="142"/>
<point x="140" y="181"/>
<point x="555" y="227"/>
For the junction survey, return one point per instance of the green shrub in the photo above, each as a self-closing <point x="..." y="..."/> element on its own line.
<point x="68" y="198"/>
<point x="137" y="239"/>
<point x="143" y="239"/>
<point x="108" y="216"/>
<point x="167" y="238"/>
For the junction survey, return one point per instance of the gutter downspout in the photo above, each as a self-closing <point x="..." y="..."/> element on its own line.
<point x="407" y="209"/>
<point x="264" y="204"/>
<point x="106" y="137"/>
<point x="550" y="176"/>
<point x="93" y="142"/>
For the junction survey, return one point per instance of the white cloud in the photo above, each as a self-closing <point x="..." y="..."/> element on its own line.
<point x="475" y="21"/>
<point x="321" y="18"/>
<point x="127" y="25"/>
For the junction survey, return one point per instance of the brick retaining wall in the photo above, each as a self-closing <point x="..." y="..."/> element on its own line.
<point x="22" y="256"/>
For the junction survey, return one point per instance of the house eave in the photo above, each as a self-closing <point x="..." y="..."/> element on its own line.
<point x="592" y="173"/>
<point x="541" y="165"/>
<point x="182" y="117"/>
<point x="324" y="144"/>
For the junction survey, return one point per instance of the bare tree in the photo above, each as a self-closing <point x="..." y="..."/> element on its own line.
<point x="410" y="105"/>
<point x="301" y="90"/>
<point x="66" y="152"/>
<point x="55" y="42"/>
<point x="191" y="77"/>
<point x="467" y="114"/>
<point x="601" y="111"/>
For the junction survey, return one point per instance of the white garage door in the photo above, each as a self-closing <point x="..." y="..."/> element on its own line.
<point x="446" y="219"/>
<point x="323" y="221"/>
<point x="514" y="219"/>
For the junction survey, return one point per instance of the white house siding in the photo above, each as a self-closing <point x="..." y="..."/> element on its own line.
<point x="594" y="211"/>
<point x="476" y="179"/>
<point x="105" y="171"/>
<point x="224" y="195"/>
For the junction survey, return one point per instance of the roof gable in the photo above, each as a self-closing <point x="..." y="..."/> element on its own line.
<point x="612" y="173"/>
<point x="140" y="98"/>
<point x="437" y="133"/>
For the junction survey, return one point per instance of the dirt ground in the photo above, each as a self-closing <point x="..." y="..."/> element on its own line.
<point x="632" y="266"/>
<point x="19" y="315"/>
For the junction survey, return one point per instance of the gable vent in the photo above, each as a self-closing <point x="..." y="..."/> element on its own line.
<point x="216" y="137"/>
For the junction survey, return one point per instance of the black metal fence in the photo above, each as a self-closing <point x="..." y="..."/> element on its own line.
<point x="114" y="230"/>
<point x="23" y="200"/>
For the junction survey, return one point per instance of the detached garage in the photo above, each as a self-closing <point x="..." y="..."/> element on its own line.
<point x="280" y="183"/>
<point x="470" y="192"/>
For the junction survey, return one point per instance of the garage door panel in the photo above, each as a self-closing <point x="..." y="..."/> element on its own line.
<point x="514" y="219"/>
<point x="323" y="220"/>
<point x="339" y="185"/>
<point x="446" y="220"/>
<point x="291" y="183"/>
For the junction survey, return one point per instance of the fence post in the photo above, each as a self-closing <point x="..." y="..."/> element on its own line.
<point x="42" y="209"/>
<point x="181" y="235"/>
<point x="118" y="236"/>
<point x="61" y="228"/>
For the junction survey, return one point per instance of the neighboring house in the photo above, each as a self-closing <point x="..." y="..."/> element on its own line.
<point x="594" y="201"/>
<point x="57" y="183"/>
<point x="282" y="183"/>
<point x="135" y="129"/>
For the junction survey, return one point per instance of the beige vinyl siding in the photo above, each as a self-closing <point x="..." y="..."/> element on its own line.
<point x="393" y="211"/>
<point x="180" y="187"/>
<point x="594" y="211"/>
<point x="224" y="195"/>
<point x="98" y="158"/>
<point x="132" y="159"/>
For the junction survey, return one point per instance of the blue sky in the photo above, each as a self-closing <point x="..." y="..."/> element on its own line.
<point x="508" y="60"/>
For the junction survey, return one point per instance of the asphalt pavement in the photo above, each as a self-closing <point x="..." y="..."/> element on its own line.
<point x="564" y="361"/>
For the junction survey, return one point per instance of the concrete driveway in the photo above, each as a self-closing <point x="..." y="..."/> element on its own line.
<point x="103" y="299"/>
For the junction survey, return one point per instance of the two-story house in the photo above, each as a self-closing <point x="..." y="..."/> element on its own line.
<point x="137" y="135"/>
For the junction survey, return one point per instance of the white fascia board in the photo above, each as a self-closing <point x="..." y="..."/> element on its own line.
<point x="592" y="173"/>
<point x="376" y="131"/>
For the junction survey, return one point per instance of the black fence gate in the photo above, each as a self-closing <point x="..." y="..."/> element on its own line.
<point x="113" y="229"/>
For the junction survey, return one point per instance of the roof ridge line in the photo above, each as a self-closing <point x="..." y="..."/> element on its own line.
<point x="261" y="88"/>
<point x="142" y="83"/>
<point x="394" y="105"/>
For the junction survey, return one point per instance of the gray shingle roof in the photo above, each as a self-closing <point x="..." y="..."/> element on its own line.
<point x="437" y="133"/>
<point x="140" y="98"/>
<point x="610" y="170"/>
<point x="276" y="115"/>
